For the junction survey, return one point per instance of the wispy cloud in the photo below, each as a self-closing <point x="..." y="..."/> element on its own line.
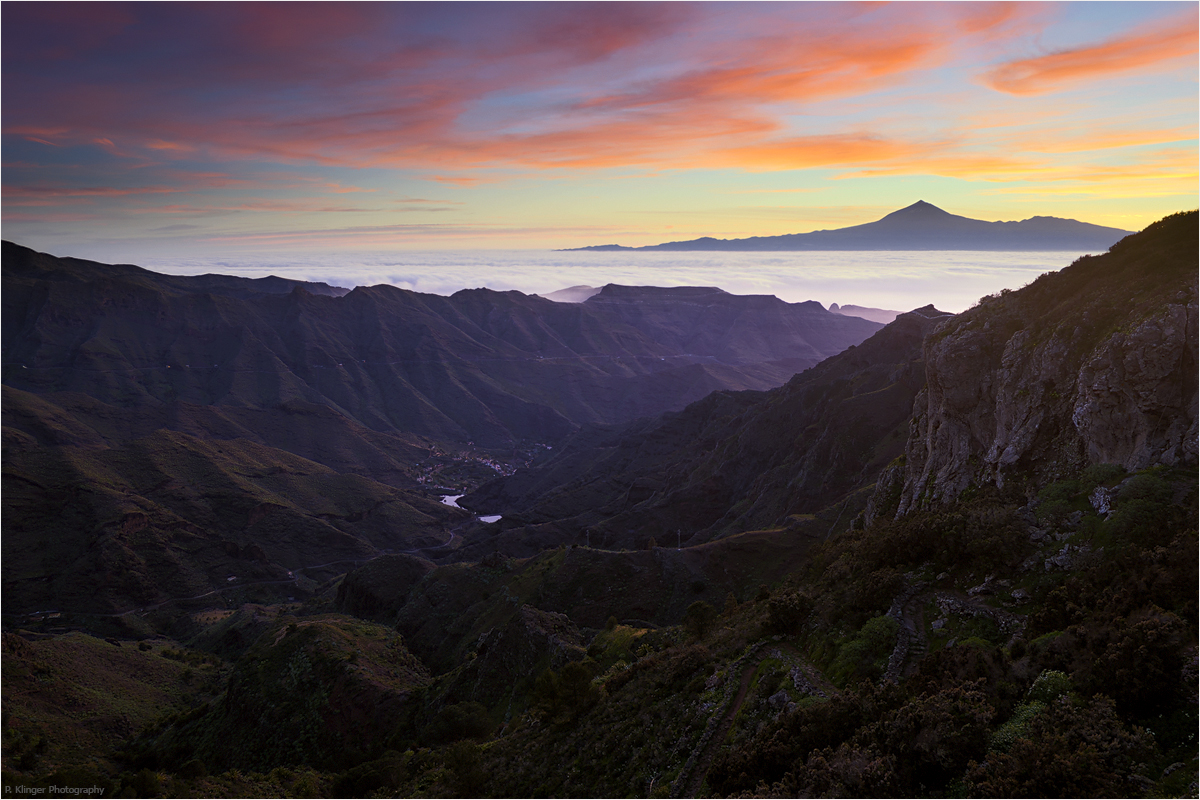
<point x="15" y="194"/>
<point x="1155" y="48"/>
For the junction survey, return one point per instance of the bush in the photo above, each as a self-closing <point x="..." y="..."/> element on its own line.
<point x="366" y="779"/>
<point x="465" y="761"/>
<point x="1100" y="474"/>
<point x="1049" y="686"/>
<point x="786" y="613"/>
<point x="1016" y="728"/>
<point x="1145" y="486"/>
<point x="575" y="683"/>
<point x="863" y="657"/>
<point x="1058" y="498"/>
<point x="1070" y="750"/>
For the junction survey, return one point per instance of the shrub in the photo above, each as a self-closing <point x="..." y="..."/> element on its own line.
<point x="1048" y="686"/>
<point x="699" y="618"/>
<point x="1016" y="728"/>
<point x="1070" y="750"/>
<point x="786" y="613"/>
<point x="863" y="656"/>
<point x="575" y="682"/>
<point x="366" y="779"/>
<point x="1099" y="474"/>
<point x="465" y="761"/>
<point x="1058" y="499"/>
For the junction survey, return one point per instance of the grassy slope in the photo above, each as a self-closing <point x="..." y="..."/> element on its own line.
<point x="81" y="695"/>
<point x="99" y="530"/>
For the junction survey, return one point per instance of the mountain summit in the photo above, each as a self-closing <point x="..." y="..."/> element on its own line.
<point x="922" y="226"/>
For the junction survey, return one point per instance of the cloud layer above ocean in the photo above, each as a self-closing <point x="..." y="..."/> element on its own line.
<point x="951" y="280"/>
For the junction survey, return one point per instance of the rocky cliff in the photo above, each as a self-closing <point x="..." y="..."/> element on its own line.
<point x="1093" y="364"/>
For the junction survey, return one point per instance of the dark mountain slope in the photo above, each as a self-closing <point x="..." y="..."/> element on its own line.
<point x="312" y="431"/>
<point x="922" y="226"/>
<point x="158" y="429"/>
<point x="25" y="263"/>
<point x="733" y="461"/>
<point x="95" y="530"/>
<point x="442" y="611"/>
<point x="489" y="367"/>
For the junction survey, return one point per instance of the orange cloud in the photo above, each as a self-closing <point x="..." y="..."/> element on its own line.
<point x="981" y="17"/>
<point x="459" y="180"/>
<point x="806" y="152"/>
<point x="791" y="66"/>
<point x="1154" y="48"/>
<point x="174" y="146"/>
<point x="1074" y="141"/>
<point x="979" y="166"/>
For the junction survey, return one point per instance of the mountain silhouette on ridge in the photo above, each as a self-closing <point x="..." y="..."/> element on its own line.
<point x="921" y="226"/>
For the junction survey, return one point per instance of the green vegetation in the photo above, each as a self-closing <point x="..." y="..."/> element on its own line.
<point x="328" y="705"/>
<point x="863" y="656"/>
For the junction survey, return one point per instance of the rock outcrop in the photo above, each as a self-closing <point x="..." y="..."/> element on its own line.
<point x="1093" y="364"/>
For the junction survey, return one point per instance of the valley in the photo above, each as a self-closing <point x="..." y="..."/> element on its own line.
<point x="699" y="544"/>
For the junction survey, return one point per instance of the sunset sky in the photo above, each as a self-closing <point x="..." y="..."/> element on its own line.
<point x="135" y="129"/>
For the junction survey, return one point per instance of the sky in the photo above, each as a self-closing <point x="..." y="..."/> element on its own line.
<point x="143" y="130"/>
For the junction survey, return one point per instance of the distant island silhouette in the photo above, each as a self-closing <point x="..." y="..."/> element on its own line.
<point x="921" y="226"/>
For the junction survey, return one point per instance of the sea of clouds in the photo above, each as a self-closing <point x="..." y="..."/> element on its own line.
<point x="898" y="280"/>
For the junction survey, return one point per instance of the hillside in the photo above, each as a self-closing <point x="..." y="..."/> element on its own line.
<point x="921" y="226"/>
<point x="168" y="520"/>
<point x="1008" y="610"/>
<point x="493" y="368"/>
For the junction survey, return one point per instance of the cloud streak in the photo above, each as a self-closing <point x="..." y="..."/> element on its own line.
<point x="1160" y="47"/>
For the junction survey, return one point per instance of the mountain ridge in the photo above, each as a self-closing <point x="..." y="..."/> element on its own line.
<point x="479" y="365"/>
<point x="230" y="432"/>
<point x="920" y="226"/>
